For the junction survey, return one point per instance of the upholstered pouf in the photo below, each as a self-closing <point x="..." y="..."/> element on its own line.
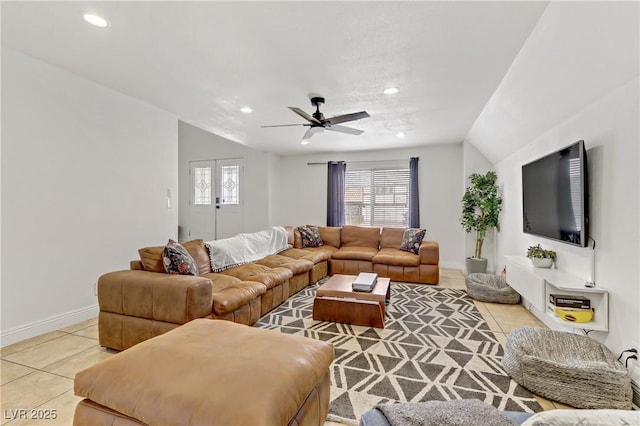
<point x="569" y="368"/>
<point x="490" y="288"/>
<point x="209" y="372"/>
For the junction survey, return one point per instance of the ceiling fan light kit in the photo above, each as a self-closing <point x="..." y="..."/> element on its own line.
<point x="317" y="122"/>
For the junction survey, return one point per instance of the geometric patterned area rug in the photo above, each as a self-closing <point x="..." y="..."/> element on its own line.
<point x="435" y="346"/>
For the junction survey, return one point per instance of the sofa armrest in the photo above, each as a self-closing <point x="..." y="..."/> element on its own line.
<point x="429" y="253"/>
<point x="162" y="297"/>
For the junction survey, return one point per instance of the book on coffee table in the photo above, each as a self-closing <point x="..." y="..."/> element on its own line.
<point x="365" y="281"/>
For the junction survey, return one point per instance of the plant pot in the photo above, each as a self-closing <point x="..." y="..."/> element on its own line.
<point x="476" y="265"/>
<point x="542" y="262"/>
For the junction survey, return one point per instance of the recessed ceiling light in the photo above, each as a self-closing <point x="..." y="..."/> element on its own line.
<point x="400" y="134"/>
<point x="246" y="110"/>
<point x="391" y="90"/>
<point x="304" y="142"/>
<point x="96" y="20"/>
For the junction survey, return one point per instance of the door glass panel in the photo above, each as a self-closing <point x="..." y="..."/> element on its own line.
<point x="230" y="185"/>
<point x="202" y="185"/>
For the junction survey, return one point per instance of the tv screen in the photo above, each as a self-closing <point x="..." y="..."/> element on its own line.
<point x="554" y="196"/>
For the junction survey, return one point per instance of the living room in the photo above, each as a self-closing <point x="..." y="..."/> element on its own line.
<point x="89" y="169"/>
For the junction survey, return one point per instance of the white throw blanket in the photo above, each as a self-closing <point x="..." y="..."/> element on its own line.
<point x="245" y="248"/>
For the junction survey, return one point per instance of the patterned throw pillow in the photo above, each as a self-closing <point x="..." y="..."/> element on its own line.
<point x="310" y="236"/>
<point x="411" y="239"/>
<point x="177" y="260"/>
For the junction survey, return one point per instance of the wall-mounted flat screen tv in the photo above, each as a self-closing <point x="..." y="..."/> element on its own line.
<point x="555" y="196"/>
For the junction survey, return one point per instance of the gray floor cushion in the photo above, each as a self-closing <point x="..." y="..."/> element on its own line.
<point x="375" y="417"/>
<point x="490" y="288"/>
<point x="570" y="368"/>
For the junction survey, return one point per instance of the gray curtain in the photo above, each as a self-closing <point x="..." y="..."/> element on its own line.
<point x="335" y="193"/>
<point x="414" y="202"/>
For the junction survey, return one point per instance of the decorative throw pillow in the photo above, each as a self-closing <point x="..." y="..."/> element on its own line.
<point x="177" y="260"/>
<point x="310" y="236"/>
<point x="411" y="239"/>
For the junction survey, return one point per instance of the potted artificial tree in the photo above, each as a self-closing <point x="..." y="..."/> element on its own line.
<point x="481" y="206"/>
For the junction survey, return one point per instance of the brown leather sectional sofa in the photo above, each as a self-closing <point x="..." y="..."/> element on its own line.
<point x="144" y="302"/>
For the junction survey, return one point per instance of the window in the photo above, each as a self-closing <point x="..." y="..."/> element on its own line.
<point x="230" y="185"/>
<point x="377" y="196"/>
<point x="202" y="185"/>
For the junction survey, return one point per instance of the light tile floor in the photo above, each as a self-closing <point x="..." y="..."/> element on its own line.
<point x="37" y="374"/>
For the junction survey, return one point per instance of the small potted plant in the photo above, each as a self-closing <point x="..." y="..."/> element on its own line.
<point x="541" y="258"/>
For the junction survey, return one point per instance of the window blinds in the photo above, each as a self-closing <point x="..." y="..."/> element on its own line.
<point x="377" y="197"/>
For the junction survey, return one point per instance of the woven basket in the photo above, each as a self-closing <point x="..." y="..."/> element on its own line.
<point x="569" y="368"/>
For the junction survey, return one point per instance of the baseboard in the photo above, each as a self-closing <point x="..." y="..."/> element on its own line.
<point x="56" y="322"/>
<point x="451" y="265"/>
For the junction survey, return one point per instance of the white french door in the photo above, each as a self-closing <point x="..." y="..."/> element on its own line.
<point x="216" y="199"/>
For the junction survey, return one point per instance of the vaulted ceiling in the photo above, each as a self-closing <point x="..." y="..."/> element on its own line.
<point x="455" y="64"/>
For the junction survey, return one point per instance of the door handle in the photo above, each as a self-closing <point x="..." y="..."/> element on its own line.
<point x="217" y="202"/>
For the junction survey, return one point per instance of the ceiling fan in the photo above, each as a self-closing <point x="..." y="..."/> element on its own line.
<point x="318" y="123"/>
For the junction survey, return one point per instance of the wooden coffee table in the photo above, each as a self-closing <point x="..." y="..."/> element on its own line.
<point x="336" y="301"/>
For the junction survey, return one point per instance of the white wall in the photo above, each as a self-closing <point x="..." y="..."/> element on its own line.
<point x="273" y="187"/>
<point x="302" y="194"/>
<point x="85" y="173"/>
<point x="197" y="144"/>
<point x="610" y="129"/>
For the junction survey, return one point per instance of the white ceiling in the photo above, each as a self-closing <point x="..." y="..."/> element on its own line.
<point x="578" y="53"/>
<point x="203" y="61"/>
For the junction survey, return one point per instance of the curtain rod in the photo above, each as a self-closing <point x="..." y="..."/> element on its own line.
<point x="362" y="161"/>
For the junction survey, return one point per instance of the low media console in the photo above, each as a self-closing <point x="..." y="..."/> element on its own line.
<point x="536" y="284"/>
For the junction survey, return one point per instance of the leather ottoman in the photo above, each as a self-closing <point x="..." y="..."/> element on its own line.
<point x="209" y="372"/>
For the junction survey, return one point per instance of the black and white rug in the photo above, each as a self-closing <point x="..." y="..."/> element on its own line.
<point x="435" y="346"/>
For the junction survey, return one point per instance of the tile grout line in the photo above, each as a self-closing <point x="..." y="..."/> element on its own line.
<point x="49" y="341"/>
<point x="35" y="369"/>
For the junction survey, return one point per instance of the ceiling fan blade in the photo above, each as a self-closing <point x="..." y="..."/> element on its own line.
<point x="345" y="129"/>
<point x="286" y="125"/>
<point x="348" y="117"/>
<point x="304" y="115"/>
<point x="312" y="131"/>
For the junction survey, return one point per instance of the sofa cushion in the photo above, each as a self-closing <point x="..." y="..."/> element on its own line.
<point x="391" y="237"/>
<point x="151" y="258"/>
<point x="290" y="234"/>
<point x="237" y="296"/>
<point x="395" y="257"/>
<point x="412" y="239"/>
<point x="220" y="281"/>
<point x="325" y="251"/>
<point x="314" y="254"/>
<point x="360" y="236"/>
<point x="200" y="254"/>
<point x="177" y="260"/>
<point x="330" y="235"/>
<point x="230" y="293"/>
<point x="297" y="266"/>
<point x="355" y="253"/>
<point x="270" y="277"/>
<point x="310" y="236"/>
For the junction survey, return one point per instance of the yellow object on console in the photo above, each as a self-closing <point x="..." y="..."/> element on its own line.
<point x="575" y="315"/>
